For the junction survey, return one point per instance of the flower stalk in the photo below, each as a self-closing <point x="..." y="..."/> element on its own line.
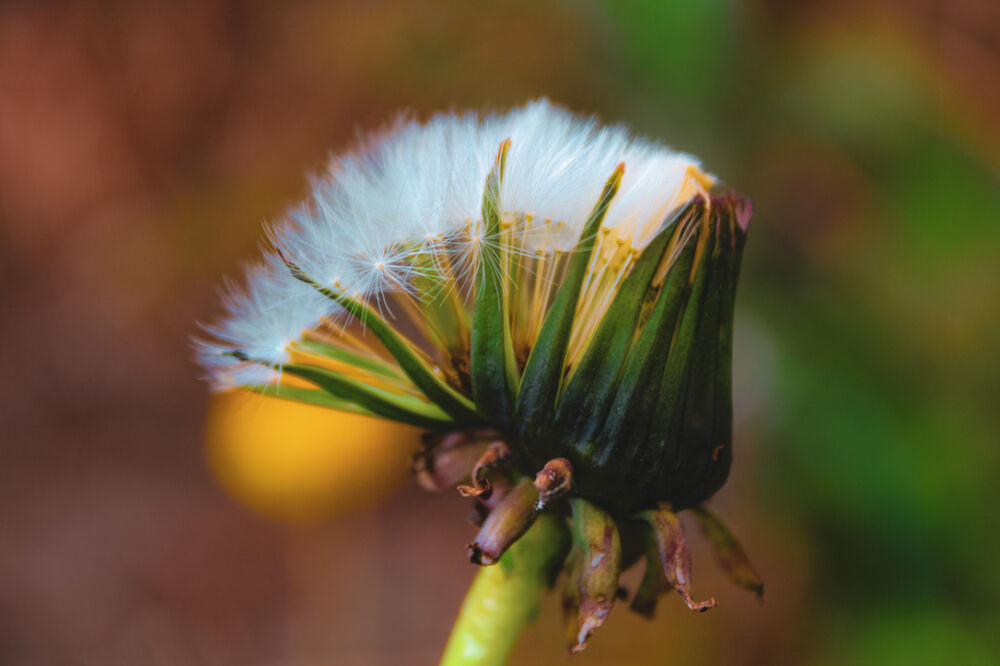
<point x="503" y="599"/>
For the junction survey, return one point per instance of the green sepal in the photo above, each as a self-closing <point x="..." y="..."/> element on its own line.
<point x="309" y="397"/>
<point x="460" y="408"/>
<point x="636" y="390"/>
<point x="728" y="551"/>
<point x="493" y="368"/>
<point x="705" y="446"/>
<point x="592" y="384"/>
<point x="355" y="360"/>
<point x="664" y="425"/>
<point x="543" y="372"/>
<point x="724" y="372"/>
<point x="707" y="421"/>
<point x="402" y="408"/>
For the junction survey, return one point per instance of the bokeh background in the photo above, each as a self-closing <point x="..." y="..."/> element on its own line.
<point x="143" y="144"/>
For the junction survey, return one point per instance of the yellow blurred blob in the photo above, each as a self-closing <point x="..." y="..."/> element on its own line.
<point x="297" y="462"/>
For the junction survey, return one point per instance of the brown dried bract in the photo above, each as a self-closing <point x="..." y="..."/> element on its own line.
<point x="497" y="454"/>
<point x="446" y="459"/>
<point x="673" y="555"/>
<point x="553" y="481"/>
<point x="510" y="519"/>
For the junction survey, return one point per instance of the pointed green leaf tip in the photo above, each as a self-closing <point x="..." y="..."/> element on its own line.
<point x="309" y="397"/>
<point x="356" y="360"/>
<point x="543" y="373"/>
<point x="494" y="374"/>
<point x="451" y="401"/>
<point x="405" y="409"/>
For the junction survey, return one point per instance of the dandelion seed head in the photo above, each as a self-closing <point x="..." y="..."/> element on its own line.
<point x="416" y="191"/>
<point x="656" y="184"/>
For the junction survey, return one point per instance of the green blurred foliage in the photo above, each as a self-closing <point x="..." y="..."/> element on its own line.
<point x="874" y="269"/>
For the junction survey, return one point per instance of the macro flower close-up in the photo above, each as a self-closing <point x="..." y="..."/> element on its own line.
<point x="631" y="333"/>
<point x="551" y="301"/>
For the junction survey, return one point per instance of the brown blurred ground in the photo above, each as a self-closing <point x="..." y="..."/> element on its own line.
<point x="141" y="146"/>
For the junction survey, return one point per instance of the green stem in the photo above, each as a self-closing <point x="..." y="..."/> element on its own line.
<point x="505" y="597"/>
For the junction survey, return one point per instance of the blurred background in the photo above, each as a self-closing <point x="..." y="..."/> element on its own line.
<point x="143" y="144"/>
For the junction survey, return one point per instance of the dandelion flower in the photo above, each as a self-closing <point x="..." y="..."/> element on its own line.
<point x="552" y="301"/>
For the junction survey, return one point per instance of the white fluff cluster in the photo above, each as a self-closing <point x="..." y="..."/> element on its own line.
<point x="263" y="318"/>
<point x="421" y="185"/>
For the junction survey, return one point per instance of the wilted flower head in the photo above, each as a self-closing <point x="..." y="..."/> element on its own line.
<point x="551" y="299"/>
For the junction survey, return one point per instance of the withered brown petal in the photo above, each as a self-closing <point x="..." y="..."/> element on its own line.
<point x="673" y="554"/>
<point x="441" y="470"/>
<point x="553" y="481"/>
<point x="510" y="519"/>
<point x="447" y="459"/>
<point x="497" y="454"/>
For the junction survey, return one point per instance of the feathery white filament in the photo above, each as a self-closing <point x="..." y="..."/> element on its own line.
<point x="264" y="317"/>
<point x="418" y="190"/>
